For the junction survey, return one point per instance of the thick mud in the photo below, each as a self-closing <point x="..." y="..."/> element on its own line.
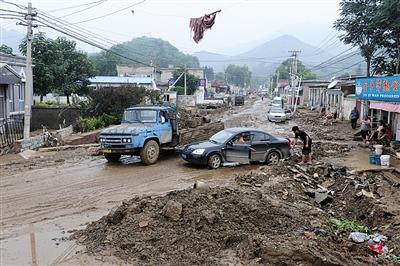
<point x="263" y="217"/>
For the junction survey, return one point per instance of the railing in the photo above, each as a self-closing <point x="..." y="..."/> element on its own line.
<point x="10" y="131"/>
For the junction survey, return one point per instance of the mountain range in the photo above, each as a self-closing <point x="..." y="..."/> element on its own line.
<point x="265" y="58"/>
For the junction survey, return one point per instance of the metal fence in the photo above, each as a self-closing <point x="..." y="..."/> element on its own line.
<point x="10" y="131"/>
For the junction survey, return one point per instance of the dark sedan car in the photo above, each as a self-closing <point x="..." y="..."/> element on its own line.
<point x="237" y="145"/>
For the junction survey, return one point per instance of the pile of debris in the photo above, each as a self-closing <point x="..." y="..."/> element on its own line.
<point x="192" y="117"/>
<point x="194" y="228"/>
<point x="285" y="214"/>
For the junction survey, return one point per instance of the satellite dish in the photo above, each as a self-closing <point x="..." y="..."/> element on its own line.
<point x="333" y="84"/>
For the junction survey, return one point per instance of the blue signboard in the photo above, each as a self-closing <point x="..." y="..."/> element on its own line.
<point x="385" y="89"/>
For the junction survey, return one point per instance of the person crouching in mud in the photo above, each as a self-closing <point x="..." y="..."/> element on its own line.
<point x="306" y="152"/>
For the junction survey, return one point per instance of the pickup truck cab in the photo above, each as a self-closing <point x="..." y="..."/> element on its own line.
<point x="144" y="130"/>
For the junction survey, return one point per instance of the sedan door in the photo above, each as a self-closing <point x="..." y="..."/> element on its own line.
<point x="239" y="153"/>
<point x="259" y="146"/>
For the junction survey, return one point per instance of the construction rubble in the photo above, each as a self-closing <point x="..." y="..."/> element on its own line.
<point x="276" y="215"/>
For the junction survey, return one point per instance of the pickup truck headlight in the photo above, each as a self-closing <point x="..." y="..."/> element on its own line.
<point x="126" y="140"/>
<point x="102" y="140"/>
<point x="198" y="151"/>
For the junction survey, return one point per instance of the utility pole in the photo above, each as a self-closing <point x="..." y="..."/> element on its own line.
<point x="29" y="74"/>
<point x="294" y="75"/>
<point x="184" y="71"/>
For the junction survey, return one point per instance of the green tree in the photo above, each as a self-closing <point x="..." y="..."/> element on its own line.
<point x="58" y="66"/>
<point x="192" y="82"/>
<point x="144" y="49"/>
<point x="105" y="63"/>
<point x="6" y="49"/>
<point x="238" y="75"/>
<point x="357" y="21"/>
<point x="209" y="73"/>
<point x="43" y="58"/>
<point x="387" y="24"/>
<point x="220" y="76"/>
<point x="285" y="68"/>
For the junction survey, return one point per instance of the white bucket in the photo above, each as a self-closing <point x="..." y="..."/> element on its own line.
<point x="385" y="160"/>
<point x="378" y="149"/>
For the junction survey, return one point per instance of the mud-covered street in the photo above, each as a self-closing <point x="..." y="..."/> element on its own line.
<point x="55" y="193"/>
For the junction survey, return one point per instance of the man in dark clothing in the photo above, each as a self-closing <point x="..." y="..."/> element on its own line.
<point x="354" y="115"/>
<point x="306" y="144"/>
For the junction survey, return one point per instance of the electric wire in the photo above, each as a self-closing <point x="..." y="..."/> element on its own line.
<point x="76" y="6"/>
<point x="109" y="14"/>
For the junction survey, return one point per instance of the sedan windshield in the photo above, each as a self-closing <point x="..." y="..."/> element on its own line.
<point x="141" y="116"/>
<point x="276" y="110"/>
<point x="221" y="137"/>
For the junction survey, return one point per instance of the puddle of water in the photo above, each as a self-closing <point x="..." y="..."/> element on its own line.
<point x="17" y="251"/>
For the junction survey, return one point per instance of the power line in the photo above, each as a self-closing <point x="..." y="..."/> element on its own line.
<point x="93" y="43"/>
<point x="72" y="7"/>
<point x="14" y="4"/>
<point x="81" y="31"/>
<point x="80" y="11"/>
<point x="109" y="14"/>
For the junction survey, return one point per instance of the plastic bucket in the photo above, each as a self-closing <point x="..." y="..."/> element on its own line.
<point x="378" y="149"/>
<point x="385" y="160"/>
<point x="372" y="158"/>
<point x="377" y="159"/>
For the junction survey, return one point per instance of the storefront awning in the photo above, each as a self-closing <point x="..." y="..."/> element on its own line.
<point x="388" y="107"/>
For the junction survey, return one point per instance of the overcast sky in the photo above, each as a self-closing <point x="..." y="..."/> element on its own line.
<point x="240" y="22"/>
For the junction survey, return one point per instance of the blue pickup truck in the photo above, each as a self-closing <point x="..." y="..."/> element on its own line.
<point x="145" y="130"/>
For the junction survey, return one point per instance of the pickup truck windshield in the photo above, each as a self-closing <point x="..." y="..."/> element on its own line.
<point x="141" y="116"/>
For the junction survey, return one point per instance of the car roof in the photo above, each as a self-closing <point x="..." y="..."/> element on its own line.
<point x="237" y="130"/>
<point x="148" y="108"/>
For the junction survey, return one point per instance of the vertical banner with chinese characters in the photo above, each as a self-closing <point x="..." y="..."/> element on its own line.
<point x="379" y="88"/>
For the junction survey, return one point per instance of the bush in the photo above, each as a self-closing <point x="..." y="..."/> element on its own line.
<point x="112" y="101"/>
<point x="92" y="123"/>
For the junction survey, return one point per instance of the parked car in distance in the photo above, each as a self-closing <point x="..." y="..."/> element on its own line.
<point x="276" y="114"/>
<point x="237" y="145"/>
<point x="277" y="102"/>
<point x="239" y="100"/>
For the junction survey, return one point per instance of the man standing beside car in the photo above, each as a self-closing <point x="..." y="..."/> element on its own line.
<point x="305" y="138"/>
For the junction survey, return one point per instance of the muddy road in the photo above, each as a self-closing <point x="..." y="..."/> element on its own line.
<point x="54" y="192"/>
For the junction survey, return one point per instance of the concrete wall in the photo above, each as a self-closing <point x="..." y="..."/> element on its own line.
<point x="186" y="100"/>
<point x="53" y="117"/>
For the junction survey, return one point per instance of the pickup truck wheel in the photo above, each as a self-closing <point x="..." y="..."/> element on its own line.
<point x="112" y="157"/>
<point x="214" y="161"/>
<point x="273" y="158"/>
<point x="150" y="152"/>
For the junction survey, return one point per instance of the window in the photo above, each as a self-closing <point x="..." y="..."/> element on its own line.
<point x="258" y="136"/>
<point x="2" y="103"/>
<point x="141" y="116"/>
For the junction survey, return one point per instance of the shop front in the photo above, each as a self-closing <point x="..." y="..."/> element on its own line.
<point x="381" y="96"/>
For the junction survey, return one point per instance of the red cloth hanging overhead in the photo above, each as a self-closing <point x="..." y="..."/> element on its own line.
<point x="201" y="24"/>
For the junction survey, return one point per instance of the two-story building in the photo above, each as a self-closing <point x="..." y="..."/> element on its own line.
<point x="12" y="86"/>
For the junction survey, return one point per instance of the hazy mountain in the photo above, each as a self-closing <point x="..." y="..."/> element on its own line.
<point x="266" y="57"/>
<point x="11" y="38"/>
<point x="144" y="49"/>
